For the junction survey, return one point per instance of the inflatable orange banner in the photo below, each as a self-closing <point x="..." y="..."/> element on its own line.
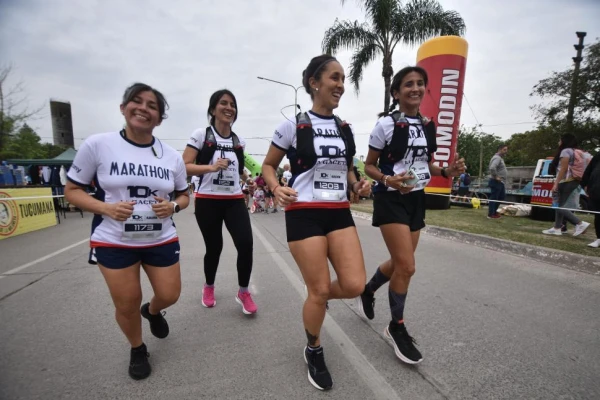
<point x="445" y="60"/>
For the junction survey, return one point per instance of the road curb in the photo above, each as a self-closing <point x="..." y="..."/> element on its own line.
<point x="564" y="259"/>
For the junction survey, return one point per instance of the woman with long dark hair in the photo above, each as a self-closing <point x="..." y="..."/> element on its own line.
<point x="564" y="185"/>
<point x="216" y="154"/>
<point x="401" y="147"/>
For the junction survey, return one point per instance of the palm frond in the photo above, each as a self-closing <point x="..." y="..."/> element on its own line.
<point x="346" y="35"/>
<point x="420" y="20"/>
<point x="360" y="59"/>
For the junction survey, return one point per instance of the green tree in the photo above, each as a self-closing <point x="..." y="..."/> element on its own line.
<point x="390" y="22"/>
<point x="555" y="91"/>
<point x="25" y="144"/>
<point x="475" y="146"/>
<point x="13" y="108"/>
<point x="51" y="150"/>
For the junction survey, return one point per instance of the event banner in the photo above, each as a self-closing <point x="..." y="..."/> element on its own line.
<point x="445" y="60"/>
<point x="27" y="215"/>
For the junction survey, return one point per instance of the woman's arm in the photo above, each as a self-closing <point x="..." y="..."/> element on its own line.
<point x="564" y="166"/>
<point x="77" y="196"/>
<point x="189" y="158"/>
<point x="455" y="169"/>
<point x="283" y="194"/>
<point x="370" y="168"/>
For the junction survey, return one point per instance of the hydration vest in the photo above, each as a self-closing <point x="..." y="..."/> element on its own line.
<point x="210" y="146"/>
<point x="306" y="157"/>
<point x="396" y="150"/>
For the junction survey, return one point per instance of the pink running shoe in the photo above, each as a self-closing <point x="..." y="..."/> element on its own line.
<point x="245" y="300"/>
<point x="208" y="297"/>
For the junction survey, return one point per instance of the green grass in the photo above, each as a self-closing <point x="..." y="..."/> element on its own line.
<point x="517" y="229"/>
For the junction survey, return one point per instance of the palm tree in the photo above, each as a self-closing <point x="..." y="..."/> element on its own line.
<point x="390" y="22"/>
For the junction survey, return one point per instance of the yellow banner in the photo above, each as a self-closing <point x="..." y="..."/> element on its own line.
<point x="28" y="215"/>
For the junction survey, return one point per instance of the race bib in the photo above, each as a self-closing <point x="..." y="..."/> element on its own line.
<point x="329" y="184"/>
<point x="225" y="182"/>
<point x="142" y="225"/>
<point x="421" y="170"/>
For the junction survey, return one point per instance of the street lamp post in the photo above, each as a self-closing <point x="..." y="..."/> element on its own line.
<point x="286" y="84"/>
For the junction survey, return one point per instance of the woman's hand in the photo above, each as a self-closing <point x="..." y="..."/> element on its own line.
<point x="163" y="209"/>
<point x="120" y="211"/>
<point x="398" y="182"/>
<point x="457" y="167"/>
<point x="362" y="188"/>
<point x="285" y="195"/>
<point x="222" y="163"/>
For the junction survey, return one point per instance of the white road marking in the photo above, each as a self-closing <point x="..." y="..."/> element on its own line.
<point x="376" y="382"/>
<point x="39" y="260"/>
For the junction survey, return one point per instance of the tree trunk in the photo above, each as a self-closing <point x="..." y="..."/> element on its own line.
<point x="387" y="73"/>
<point x="386" y="99"/>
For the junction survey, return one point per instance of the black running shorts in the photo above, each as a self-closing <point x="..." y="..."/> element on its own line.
<point x="308" y="222"/>
<point x="392" y="207"/>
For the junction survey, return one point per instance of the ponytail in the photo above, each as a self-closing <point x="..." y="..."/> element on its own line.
<point x="391" y="108"/>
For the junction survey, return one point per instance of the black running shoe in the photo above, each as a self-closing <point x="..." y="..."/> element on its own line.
<point x="404" y="344"/>
<point x="139" y="367"/>
<point x="318" y="375"/>
<point x="366" y="304"/>
<point x="158" y="323"/>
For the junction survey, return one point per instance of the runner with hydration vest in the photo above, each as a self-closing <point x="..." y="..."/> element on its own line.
<point x="319" y="224"/>
<point x="400" y="159"/>
<point x="216" y="154"/>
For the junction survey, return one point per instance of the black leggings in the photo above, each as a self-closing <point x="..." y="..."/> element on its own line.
<point x="210" y="214"/>
<point x="595" y="206"/>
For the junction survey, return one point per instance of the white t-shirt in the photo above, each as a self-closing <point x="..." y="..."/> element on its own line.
<point x="125" y="171"/>
<point x="287" y="175"/>
<point x="223" y="184"/>
<point x="325" y="184"/>
<point x="416" y="154"/>
<point x="195" y="181"/>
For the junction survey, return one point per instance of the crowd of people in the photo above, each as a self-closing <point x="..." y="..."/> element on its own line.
<point x="141" y="183"/>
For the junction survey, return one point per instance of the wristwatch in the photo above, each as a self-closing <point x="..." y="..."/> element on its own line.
<point x="176" y="207"/>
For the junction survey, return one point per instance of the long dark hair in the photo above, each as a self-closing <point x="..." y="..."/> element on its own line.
<point x="397" y="81"/>
<point x="567" y="141"/>
<point x="214" y="100"/>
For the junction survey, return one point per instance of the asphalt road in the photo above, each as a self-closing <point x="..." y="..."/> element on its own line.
<point x="489" y="325"/>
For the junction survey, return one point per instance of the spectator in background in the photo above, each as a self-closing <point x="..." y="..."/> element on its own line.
<point x="591" y="184"/>
<point x="463" y="187"/>
<point x="287" y="174"/>
<point x="497" y="181"/>
<point x="564" y="185"/>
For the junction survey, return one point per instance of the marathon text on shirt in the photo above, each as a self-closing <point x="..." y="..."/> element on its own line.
<point x="139" y="170"/>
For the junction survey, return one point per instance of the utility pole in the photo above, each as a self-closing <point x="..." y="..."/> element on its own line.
<point x="573" y="99"/>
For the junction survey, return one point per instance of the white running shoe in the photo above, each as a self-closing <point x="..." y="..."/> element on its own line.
<point x="595" y="244"/>
<point x="581" y="228"/>
<point x="552" y="231"/>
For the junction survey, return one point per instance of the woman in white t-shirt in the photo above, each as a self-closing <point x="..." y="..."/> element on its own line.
<point x="319" y="224"/>
<point x="134" y="173"/>
<point x="219" y="197"/>
<point x="402" y="172"/>
<point x="564" y="185"/>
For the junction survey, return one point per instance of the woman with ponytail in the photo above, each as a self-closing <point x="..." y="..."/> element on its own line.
<point x="318" y="221"/>
<point x="399" y="201"/>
